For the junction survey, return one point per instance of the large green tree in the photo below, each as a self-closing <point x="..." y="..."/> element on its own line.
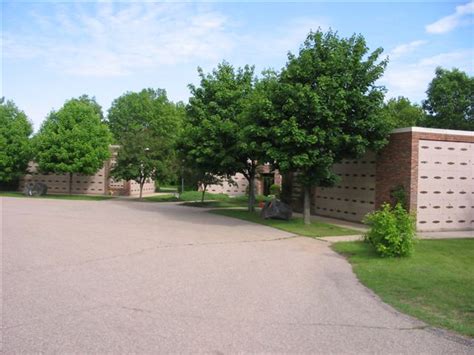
<point x="146" y="126"/>
<point x="329" y="108"/>
<point x="15" y="147"/>
<point x="220" y="136"/>
<point x="400" y="112"/>
<point x="73" y="139"/>
<point x="450" y="100"/>
<point x="146" y="109"/>
<point x="142" y="156"/>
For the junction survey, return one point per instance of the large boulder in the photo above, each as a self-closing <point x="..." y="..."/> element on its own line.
<point x="276" y="209"/>
<point x="35" y="189"/>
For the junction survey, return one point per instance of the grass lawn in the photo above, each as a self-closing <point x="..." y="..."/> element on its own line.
<point x="295" y="225"/>
<point x="168" y="189"/>
<point x="193" y="199"/>
<point x="217" y="204"/>
<point x="57" y="196"/>
<point x="186" y="196"/>
<point x="435" y="284"/>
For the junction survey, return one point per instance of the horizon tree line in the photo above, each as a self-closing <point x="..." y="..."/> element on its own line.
<point x="323" y="106"/>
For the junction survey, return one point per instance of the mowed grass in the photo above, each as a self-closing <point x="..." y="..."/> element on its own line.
<point x="193" y="199"/>
<point x="186" y="196"/>
<point x="57" y="196"/>
<point x="166" y="188"/>
<point x="294" y="225"/>
<point x="435" y="284"/>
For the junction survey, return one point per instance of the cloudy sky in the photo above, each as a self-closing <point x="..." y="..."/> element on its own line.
<point x="52" y="51"/>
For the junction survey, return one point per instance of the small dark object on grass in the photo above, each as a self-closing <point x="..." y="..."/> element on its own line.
<point x="35" y="189"/>
<point x="276" y="209"/>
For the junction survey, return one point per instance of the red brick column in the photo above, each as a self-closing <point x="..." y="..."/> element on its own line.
<point x="397" y="165"/>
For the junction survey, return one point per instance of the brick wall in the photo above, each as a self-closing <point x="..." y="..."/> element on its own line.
<point x="398" y="164"/>
<point x="395" y="166"/>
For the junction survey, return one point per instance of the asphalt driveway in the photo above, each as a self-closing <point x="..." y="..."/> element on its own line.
<point x="123" y="276"/>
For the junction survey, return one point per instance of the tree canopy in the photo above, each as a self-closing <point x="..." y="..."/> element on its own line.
<point x="450" y="100"/>
<point x="222" y="136"/>
<point x="15" y="147"/>
<point x="400" y="112"/>
<point x="146" y="109"/>
<point x="73" y="139"/>
<point x="146" y="126"/>
<point x="141" y="157"/>
<point x="329" y="108"/>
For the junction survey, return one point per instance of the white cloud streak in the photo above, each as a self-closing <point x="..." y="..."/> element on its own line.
<point x="112" y="40"/>
<point x="405" y="48"/>
<point x="411" y="80"/>
<point x="116" y="40"/>
<point x="449" y="23"/>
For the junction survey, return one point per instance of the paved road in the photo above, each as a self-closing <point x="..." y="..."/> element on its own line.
<point x="123" y="276"/>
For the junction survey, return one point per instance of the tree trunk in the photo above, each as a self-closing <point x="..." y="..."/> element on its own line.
<point x="251" y="202"/>
<point x="70" y="183"/>
<point x="204" y="187"/>
<point x="307" y="204"/>
<point x="142" y="182"/>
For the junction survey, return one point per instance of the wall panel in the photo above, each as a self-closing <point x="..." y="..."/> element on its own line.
<point x="354" y="196"/>
<point x="445" y="185"/>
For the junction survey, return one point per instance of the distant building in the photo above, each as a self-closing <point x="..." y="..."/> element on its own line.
<point x="101" y="183"/>
<point x="265" y="178"/>
<point x="433" y="167"/>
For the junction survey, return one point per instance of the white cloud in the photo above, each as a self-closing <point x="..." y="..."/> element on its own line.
<point x="405" y="48"/>
<point x="449" y="23"/>
<point x="268" y="45"/>
<point x="115" y="40"/>
<point x="411" y="80"/>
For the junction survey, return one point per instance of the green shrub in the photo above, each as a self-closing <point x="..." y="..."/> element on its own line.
<point x="275" y="190"/>
<point x="398" y="195"/>
<point x="392" y="230"/>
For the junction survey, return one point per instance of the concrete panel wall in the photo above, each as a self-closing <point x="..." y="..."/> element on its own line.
<point x="354" y="196"/>
<point x="231" y="190"/>
<point x="148" y="188"/>
<point x="98" y="184"/>
<point x="445" y="185"/>
<point x="59" y="183"/>
<point x="241" y="183"/>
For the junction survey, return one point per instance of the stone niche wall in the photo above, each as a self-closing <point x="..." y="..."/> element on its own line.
<point x="134" y="188"/>
<point x="435" y="167"/>
<point x="445" y="185"/>
<point x="354" y="196"/>
<point x="231" y="190"/>
<point x="59" y="183"/>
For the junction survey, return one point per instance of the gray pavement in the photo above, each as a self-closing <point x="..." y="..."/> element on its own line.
<point x="131" y="277"/>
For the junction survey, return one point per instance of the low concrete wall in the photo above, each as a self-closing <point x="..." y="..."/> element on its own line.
<point x="148" y="188"/>
<point x="59" y="183"/>
<point x="354" y="196"/>
<point x="435" y="167"/>
<point x="98" y="184"/>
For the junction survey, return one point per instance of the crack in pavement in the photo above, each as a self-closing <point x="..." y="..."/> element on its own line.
<point x="439" y="332"/>
<point x="144" y="250"/>
<point x="197" y="317"/>
<point x="318" y="324"/>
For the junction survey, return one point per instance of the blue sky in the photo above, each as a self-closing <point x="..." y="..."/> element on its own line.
<point x="52" y="51"/>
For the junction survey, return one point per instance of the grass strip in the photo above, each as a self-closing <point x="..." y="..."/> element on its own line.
<point x="435" y="284"/>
